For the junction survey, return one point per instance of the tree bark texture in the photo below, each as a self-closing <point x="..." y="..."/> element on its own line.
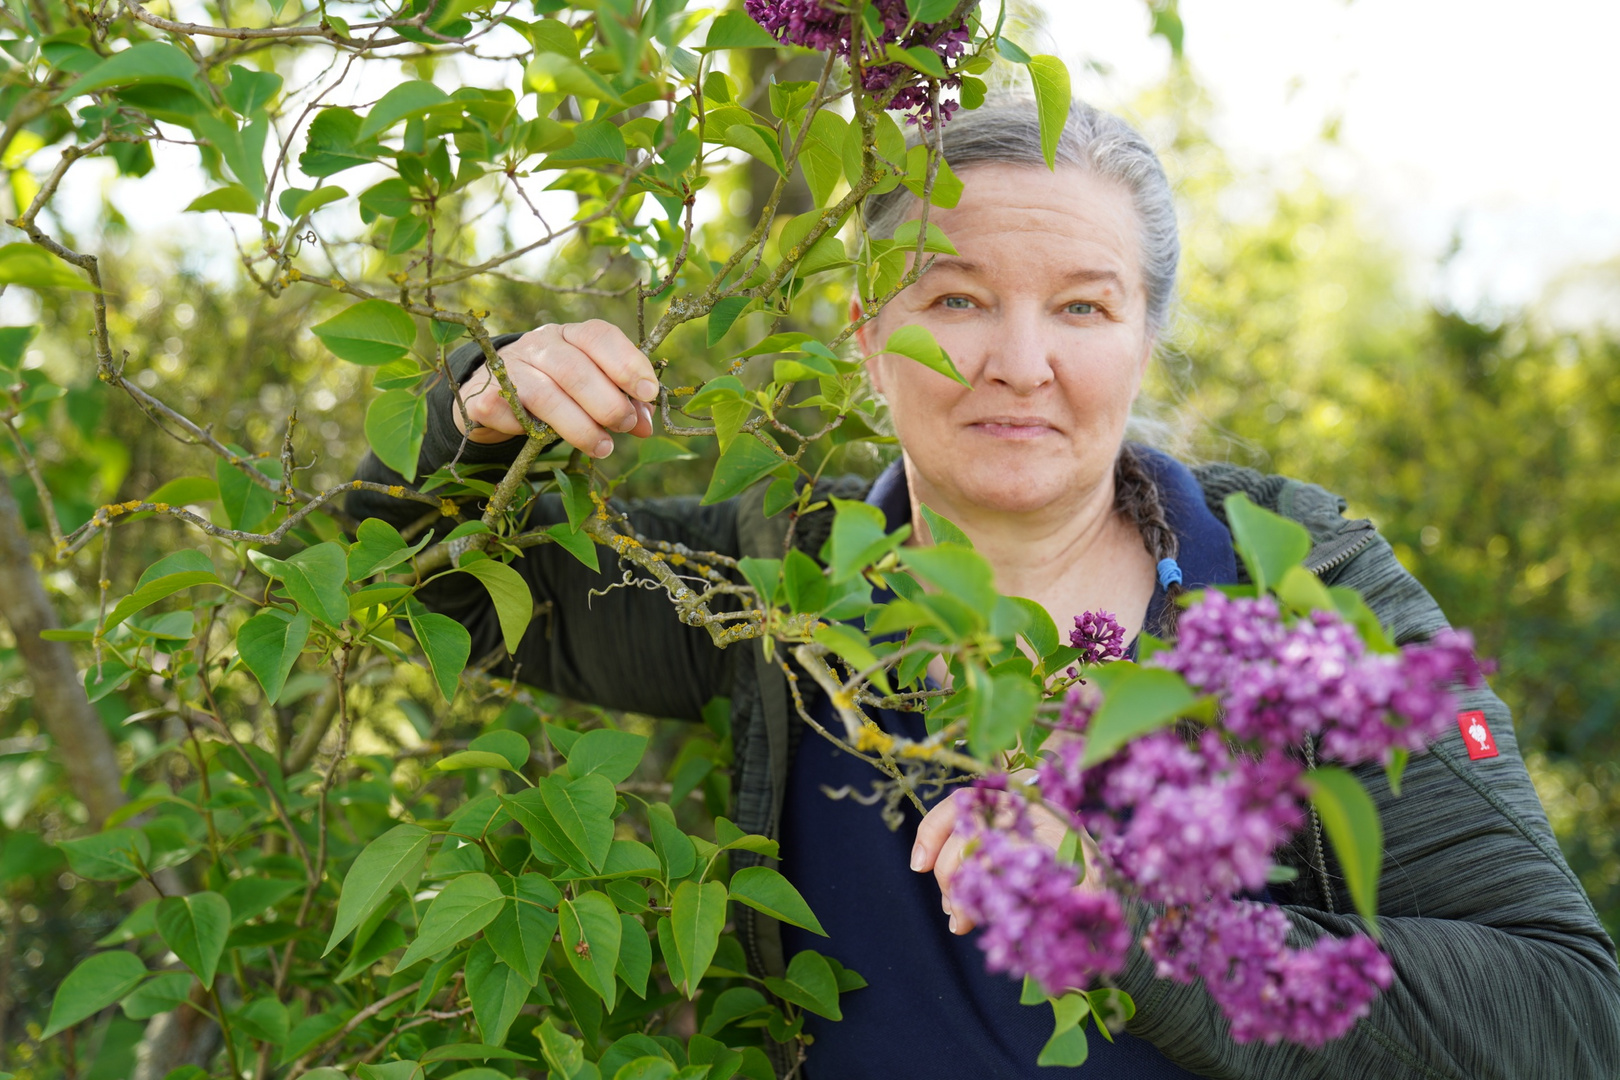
<point x="82" y="743"/>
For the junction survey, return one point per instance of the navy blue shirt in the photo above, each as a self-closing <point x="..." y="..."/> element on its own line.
<point x="931" y="1010"/>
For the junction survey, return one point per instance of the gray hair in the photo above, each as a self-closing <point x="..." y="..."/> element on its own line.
<point x="1006" y="130"/>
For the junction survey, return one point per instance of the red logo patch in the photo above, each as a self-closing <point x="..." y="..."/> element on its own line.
<point x="1476" y="735"/>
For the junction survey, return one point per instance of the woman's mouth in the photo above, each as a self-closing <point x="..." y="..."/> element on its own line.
<point x="1013" y="427"/>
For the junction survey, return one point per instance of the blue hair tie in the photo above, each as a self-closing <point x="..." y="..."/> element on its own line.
<point x="1169" y="573"/>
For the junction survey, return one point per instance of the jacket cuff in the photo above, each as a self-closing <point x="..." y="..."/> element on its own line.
<point x="442" y="439"/>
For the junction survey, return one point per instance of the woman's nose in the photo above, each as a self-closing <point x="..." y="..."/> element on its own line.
<point x="1018" y="356"/>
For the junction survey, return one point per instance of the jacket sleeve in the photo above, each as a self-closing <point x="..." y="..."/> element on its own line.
<point x="1503" y="970"/>
<point x="593" y="637"/>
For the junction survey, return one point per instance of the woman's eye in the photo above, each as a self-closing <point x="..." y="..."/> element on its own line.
<point x="957" y="303"/>
<point x="1081" y="308"/>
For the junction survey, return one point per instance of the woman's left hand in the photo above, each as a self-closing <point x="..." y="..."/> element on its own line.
<point x="939" y="848"/>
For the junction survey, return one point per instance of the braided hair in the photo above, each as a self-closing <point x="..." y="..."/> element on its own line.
<point x="1136" y="496"/>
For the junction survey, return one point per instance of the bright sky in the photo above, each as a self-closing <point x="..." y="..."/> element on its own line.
<point x="1488" y="118"/>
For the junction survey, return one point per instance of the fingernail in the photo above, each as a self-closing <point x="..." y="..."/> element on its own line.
<point x="917" y="857"/>
<point x="603" y="448"/>
<point x="646" y="389"/>
<point x="953" y="924"/>
<point x="945" y="905"/>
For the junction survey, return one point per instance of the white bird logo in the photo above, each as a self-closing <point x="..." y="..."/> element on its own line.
<point x="1478" y="733"/>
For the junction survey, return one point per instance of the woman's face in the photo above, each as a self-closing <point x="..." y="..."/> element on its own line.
<point x="1044" y="312"/>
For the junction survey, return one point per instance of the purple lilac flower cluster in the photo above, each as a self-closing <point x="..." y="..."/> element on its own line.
<point x="1279" y="683"/>
<point x="1268" y="991"/>
<point x="1098" y="636"/>
<point x="808" y="23"/>
<point x="1190" y="825"/>
<point x="1036" y="921"/>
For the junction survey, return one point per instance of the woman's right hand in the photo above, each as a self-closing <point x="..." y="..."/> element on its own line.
<point x="585" y="379"/>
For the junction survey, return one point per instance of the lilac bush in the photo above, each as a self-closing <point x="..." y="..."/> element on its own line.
<point x="823" y="27"/>
<point x="1186" y="826"/>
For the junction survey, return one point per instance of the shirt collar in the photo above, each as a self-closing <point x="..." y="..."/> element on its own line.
<point x="1205" y="554"/>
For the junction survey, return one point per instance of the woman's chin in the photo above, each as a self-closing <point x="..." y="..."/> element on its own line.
<point x="1009" y="488"/>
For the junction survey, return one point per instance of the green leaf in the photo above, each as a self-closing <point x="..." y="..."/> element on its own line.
<point x="264" y="1019"/>
<point x="472" y="759"/>
<point x="149" y="63"/>
<point x="697" y="915"/>
<point x="1303" y="591"/>
<point x="314" y="579"/>
<point x="471" y="1052"/>
<point x="162" y="992"/>
<point x="395" y="424"/>
<point x="296" y="202"/>
<point x="959" y="571"/>
<point x="765" y="890"/>
<point x="194" y="927"/>
<point x="854" y="647"/>
<point x="378" y="546"/>
<point x="111" y="855"/>
<point x="372" y="332"/>
<point x="573" y="819"/>
<point x="655" y="450"/>
<point x="1039" y="629"/>
<point x="331" y="145"/>
<point x="673" y="846"/>
<point x="744" y="463"/>
<point x="164" y="578"/>
<point x="106" y="678"/>
<point x="35" y="268"/>
<point x="930" y="11"/>
<point x="246" y="504"/>
<point x="249" y="90"/>
<point x="803" y="581"/>
<point x="407" y="99"/>
<point x="465" y="906"/>
<point x="497" y="993"/>
<point x="1352" y="824"/>
<point x="514" y="604"/>
<point x="1067" y="1046"/>
<point x="575" y="493"/>
<point x="1002" y="704"/>
<point x="232" y="199"/>
<point x="758" y="142"/>
<point x="91" y="986"/>
<point x="918" y="343"/>
<point x="1269" y="543"/>
<point x="943" y="531"/>
<point x="735" y="30"/>
<point x="724" y="313"/>
<point x="595" y="141"/>
<point x="577" y="544"/>
<point x="385" y="862"/>
<point x="446" y="644"/>
<point x="1053" y="99"/>
<point x="1136" y="700"/>
<point x="591" y="933"/>
<point x="513" y="748"/>
<point x="522" y="932"/>
<point x="609" y="753"/>
<point x="269" y="644"/>
<point x="810" y="984"/>
<point x="917" y="58"/>
<point x="13" y="341"/>
<point x="858" y="538"/>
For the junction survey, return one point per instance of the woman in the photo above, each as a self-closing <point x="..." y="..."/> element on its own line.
<point x="1062" y="282"/>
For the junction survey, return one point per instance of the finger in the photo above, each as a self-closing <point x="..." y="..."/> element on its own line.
<point x="552" y="404"/>
<point x="935" y="829"/>
<point x="644" y="423"/>
<point x="616" y="355"/>
<point x="577" y="372"/>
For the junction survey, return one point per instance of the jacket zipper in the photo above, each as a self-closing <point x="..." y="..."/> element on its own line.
<point x="1344" y="556"/>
